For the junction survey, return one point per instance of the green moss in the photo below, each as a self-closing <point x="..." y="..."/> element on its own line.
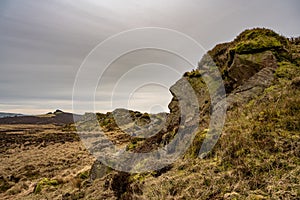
<point x="257" y="44"/>
<point x="193" y="73"/>
<point x="248" y="42"/>
<point x="131" y="146"/>
<point x="44" y="182"/>
<point x="134" y="143"/>
<point x="251" y="34"/>
<point x="140" y="177"/>
<point x="270" y="89"/>
<point x="194" y="149"/>
<point x="287" y="70"/>
<point x="38" y="188"/>
<point x="84" y="175"/>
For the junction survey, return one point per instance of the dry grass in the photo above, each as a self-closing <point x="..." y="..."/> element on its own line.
<point x="23" y="167"/>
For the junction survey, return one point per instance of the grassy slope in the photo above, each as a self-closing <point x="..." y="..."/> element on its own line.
<point x="257" y="156"/>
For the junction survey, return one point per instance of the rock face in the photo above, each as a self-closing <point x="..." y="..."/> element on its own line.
<point x="98" y="170"/>
<point x="250" y="74"/>
<point x="247" y="67"/>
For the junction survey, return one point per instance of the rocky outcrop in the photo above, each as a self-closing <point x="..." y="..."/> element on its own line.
<point x="247" y="67"/>
<point x="250" y="74"/>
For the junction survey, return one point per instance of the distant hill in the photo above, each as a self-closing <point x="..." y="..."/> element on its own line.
<point x="58" y="117"/>
<point x="3" y="115"/>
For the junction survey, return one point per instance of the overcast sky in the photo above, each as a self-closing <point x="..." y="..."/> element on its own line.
<point x="44" y="43"/>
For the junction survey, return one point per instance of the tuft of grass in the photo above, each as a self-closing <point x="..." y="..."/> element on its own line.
<point x="84" y="175"/>
<point x="286" y="71"/>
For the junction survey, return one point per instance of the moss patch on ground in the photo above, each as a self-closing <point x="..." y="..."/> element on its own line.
<point x="45" y="182"/>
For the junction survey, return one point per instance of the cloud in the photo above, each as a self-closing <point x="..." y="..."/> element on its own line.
<point x="43" y="43"/>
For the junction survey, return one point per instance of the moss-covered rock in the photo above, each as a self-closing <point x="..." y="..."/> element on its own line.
<point x="258" y="44"/>
<point x="249" y="42"/>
